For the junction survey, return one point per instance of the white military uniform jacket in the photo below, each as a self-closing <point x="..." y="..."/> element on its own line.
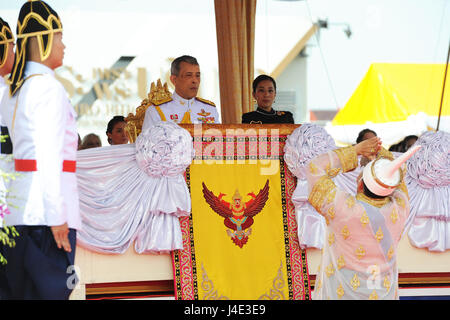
<point x="5" y="160"/>
<point x="200" y="111"/>
<point x="42" y="125"/>
<point x="4" y="94"/>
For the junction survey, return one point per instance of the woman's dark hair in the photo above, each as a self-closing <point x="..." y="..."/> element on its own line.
<point x="370" y="194"/>
<point x="113" y="122"/>
<point x="263" y="77"/>
<point x="362" y="133"/>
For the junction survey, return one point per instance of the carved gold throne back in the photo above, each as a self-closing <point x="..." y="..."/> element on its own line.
<point x="158" y="94"/>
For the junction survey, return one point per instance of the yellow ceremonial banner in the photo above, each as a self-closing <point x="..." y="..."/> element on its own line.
<point x="252" y="256"/>
<point x="240" y="241"/>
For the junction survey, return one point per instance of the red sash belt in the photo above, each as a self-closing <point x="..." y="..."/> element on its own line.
<point x="31" y="165"/>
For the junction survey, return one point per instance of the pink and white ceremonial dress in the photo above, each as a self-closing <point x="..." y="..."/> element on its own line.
<point x="359" y="254"/>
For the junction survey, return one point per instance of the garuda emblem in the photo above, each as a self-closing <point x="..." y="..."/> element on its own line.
<point x="238" y="215"/>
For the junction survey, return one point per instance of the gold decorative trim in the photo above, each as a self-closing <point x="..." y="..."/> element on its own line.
<point x="38" y="33"/>
<point x="340" y="262"/>
<point x="386" y="283"/>
<point x="355" y="283"/>
<point x="273" y="129"/>
<point x="379" y="235"/>
<point x="348" y="158"/>
<point x="340" y="291"/>
<point x="374" y="202"/>
<point x="158" y="95"/>
<point x="320" y="191"/>
<point x="360" y="252"/>
<point x="208" y="286"/>
<point x="276" y="292"/>
<point x="377" y="180"/>
<point x="6" y="41"/>
<point x="329" y="270"/>
<point x="394" y="215"/>
<point x="364" y="219"/>
<point x="383" y="153"/>
<point x="345" y="232"/>
<point x="331" y="238"/>
<point x="350" y="202"/>
<point x="373" y="295"/>
<point x="390" y="253"/>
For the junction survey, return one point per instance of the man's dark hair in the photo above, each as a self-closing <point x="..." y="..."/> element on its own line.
<point x="362" y="133"/>
<point x="175" y="66"/>
<point x="263" y="77"/>
<point x="404" y="144"/>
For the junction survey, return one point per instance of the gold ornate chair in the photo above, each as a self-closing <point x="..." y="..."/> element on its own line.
<point x="158" y="94"/>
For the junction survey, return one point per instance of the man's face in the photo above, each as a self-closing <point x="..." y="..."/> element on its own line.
<point x="56" y="57"/>
<point x="188" y="80"/>
<point x="9" y="57"/>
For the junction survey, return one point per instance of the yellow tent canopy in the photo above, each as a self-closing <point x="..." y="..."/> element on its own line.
<point x="393" y="92"/>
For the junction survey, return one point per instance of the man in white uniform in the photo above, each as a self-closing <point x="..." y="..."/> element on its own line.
<point x="184" y="106"/>
<point x="42" y="126"/>
<point x="6" y="64"/>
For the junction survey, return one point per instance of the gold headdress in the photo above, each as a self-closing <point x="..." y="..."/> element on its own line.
<point x="6" y="37"/>
<point x="36" y="18"/>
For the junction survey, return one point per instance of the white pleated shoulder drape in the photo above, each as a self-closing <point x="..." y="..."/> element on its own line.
<point x="305" y="143"/>
<point x="427" y="179"/>
<point x="135" y="192"/>
<point x="428" y="182"/>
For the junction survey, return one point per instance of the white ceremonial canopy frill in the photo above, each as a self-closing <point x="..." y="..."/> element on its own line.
<point x="428" y="182"/>
<point x="305" y="143"/>
<point x="135" y="192"/>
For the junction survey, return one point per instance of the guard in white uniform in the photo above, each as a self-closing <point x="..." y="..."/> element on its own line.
<point x="6" y="63"/>
<point x="42" y="125"/>
<point x="6" y="164"/>
<point x="184" y="106"/>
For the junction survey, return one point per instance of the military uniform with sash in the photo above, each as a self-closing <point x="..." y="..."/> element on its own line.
<point x="180" y="110"/>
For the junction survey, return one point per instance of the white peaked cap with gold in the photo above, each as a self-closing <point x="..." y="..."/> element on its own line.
<point x="381" y="176"/>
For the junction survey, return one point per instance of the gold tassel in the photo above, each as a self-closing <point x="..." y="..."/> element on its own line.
<point x="186" y="117"/>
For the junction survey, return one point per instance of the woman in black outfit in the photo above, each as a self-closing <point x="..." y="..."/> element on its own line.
<point x="264" y="92"/>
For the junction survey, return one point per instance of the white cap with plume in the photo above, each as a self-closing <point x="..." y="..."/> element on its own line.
<point x="381" y="176"/>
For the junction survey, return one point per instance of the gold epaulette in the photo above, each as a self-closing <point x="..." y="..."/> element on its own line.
<point x="205" y="101"/>
<point x="158" y="102"/>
